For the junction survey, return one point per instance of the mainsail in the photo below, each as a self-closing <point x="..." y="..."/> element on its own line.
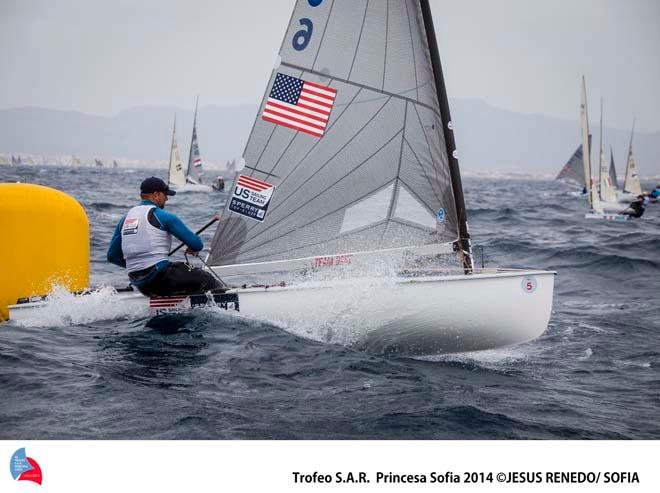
<point x="194" y="171"/>
<point x="362" y="155"/>
<point x="176" y="177"/>
<point x="573" y="170"/>
<point x="615" y="182"/>
<point x="606" y="188"/>
<point x="631" y="183"/>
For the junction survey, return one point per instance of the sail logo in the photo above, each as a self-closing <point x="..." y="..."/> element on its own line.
<point x="24" y="468"/>
<point x="251" y="197"/>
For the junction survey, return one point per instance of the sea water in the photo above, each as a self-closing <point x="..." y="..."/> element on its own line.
<point x="96" y="371"/>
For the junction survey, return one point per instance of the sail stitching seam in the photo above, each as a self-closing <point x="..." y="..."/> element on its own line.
<point x="318" y="170"/>
<point x="368" y="88"/>
<point x="316" y="196"/>
<point x="291" y="173"/>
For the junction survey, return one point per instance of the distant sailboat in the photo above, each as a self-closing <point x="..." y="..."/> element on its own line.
<point x="75" y="162"/>
<point x="599" y="209"/>
<point x="114" y="164"/>
<point x="573" y="170"/>
<point x="98" y="163"/>
<point x="194" y="172"/>
<point x="606" y="189"/>
<point x="176" y="176"/>
<point x="613" y="178"/>
<point x="631" y="185"/>
<point x="3" y="161"/>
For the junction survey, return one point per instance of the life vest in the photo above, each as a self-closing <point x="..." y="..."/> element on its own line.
<point x="143" y="244"/>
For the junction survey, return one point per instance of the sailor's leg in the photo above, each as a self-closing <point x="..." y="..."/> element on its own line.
<point x="180" y="278"/>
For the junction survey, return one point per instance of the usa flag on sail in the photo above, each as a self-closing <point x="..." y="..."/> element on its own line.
<point x="299" y="104"/>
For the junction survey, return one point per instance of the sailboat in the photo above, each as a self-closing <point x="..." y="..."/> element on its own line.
<point x="194" y="172"/>
<point x="573" y="170"/>
<point x="75" y="163"/>
<point x="631" y="185"/>
<point x="349" y="215"/>
<point x="602" y="197"/>
<point x="612" y="173"/>
<point x="176" y="177"/>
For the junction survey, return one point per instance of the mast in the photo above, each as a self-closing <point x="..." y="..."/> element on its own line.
<point x="586" y="145"/>
<point x="463" y="241"/>
<point x="169" y="164"/>
<point x="192" y="140"/>
<point x="600" y="155"/>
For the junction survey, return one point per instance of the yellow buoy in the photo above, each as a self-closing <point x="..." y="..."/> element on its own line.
<point x="44" y="242"/>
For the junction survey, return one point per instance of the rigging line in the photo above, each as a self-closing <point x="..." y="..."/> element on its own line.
<point x="412" y="48"/>
<point x="357" y="45"/>
<point x="262" y="171"/>
<point x="300" y="226"/>
<point x="369" y="88"/>
<point x="426" y="139"/>
<point x="387" y="33"/>
<point x="423" y="171"/>
<point x="302" y="160"/>
<point x="327" y="21"/>
<point x="322" y="167"/>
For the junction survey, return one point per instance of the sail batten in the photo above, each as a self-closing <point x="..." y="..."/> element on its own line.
<point x="381" y="173"/>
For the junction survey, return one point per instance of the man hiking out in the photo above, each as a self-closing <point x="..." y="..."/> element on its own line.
<point x="143" y="239"/>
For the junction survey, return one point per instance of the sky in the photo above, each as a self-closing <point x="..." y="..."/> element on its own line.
<point x="527" y="56"/>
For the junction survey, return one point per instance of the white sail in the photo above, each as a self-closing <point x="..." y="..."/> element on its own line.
<point x="177" y="177"/>
<point x="606" y="189"/>
<point x="631" y="184"/>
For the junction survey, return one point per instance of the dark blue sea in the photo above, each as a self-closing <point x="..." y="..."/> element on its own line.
<point x="594" y="373"/>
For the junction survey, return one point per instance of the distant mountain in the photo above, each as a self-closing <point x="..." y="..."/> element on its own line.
<point x="488" y="138"/>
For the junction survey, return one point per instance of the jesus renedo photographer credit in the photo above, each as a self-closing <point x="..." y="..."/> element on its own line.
<point x="512" y="477"/>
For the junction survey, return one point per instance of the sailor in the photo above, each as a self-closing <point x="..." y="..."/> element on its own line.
<point x="637" y="207"/>
<point x="655" y="193"/>
<point x="143" y="239"/>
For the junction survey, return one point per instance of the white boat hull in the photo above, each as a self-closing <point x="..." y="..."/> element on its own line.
<point x="411" y="316"/>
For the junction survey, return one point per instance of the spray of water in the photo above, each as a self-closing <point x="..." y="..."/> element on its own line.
<point x="66" y="308"/>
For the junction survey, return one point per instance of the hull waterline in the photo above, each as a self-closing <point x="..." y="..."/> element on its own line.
<point x="414" y="316"/>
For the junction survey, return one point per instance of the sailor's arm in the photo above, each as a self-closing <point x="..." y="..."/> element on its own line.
<point x="175" y="227"/>
<point x="115" y="254"/>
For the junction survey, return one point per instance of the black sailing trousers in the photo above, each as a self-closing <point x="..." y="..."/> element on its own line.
<point x="180" y="278"/>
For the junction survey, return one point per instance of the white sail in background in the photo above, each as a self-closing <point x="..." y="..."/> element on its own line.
<point x="75" y="162"/>
<point x="605" y="187"/>
<point x="631" y="183"/>
<point x="177" y="177"/>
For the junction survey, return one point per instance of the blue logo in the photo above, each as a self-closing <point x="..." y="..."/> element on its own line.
<point x="440" y="215"/>
<point x="315" y="3"/>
